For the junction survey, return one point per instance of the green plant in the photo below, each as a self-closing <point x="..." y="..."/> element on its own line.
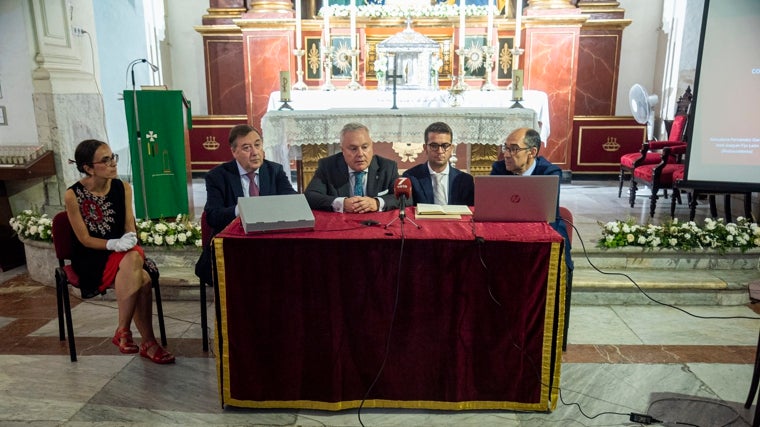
<point x="714" y="234"/>
<point x="31" y="224"/>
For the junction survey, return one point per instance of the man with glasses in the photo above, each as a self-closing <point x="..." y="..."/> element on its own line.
<point x="436" y="181"/>
<point x="247" y="174"/>
<point x="521" y="158"/>
<point x="354" y="180"/>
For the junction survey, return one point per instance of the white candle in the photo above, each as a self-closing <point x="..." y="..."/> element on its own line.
<point x="461" y="23"/>
<point x="326" y="30"/>
<point x="489" y="36"/>
<point x="298" y="24"/>
<point x="518" y="23"/>
<point x="353" y="24"/>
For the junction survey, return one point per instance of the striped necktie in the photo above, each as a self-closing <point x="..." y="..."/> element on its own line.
<point x="253" y="188"/>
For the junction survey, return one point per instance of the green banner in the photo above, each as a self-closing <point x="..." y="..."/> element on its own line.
<point x="160" y="160"/>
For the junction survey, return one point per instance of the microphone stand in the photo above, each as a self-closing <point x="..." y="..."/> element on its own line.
<point x="402" y="214"/>
<point x="139" y="142"/>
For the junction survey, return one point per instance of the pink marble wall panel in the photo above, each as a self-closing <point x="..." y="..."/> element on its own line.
<point x="225" y="83"/>
<point x="596" y="85"/>
<point x="551" y="59"/>
<point x="266" y="54"/>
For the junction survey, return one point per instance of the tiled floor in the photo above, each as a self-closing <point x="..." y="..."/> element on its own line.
<point x="620" y="359"/>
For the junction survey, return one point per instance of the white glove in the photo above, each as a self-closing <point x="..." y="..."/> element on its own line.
<point x="125" y="243"/>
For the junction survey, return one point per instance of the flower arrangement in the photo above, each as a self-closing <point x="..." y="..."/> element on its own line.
<point x="30" y="224"/>
<point x="686" y="236"/>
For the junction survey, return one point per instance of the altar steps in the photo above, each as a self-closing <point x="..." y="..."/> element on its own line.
<point x="671" y="277"/>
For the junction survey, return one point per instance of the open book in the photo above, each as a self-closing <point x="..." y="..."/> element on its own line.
<point x="431" y="209"/>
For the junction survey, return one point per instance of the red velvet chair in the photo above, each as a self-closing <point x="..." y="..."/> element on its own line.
<point x="567" y="216"/>
<point x="659" y="176"/>
<point x="63" y="237"/>
<point x="650" y="152"/>
<point x="206" y="236"/>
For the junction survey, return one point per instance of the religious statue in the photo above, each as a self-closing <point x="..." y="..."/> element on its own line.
<point x="435" y="67"/>
<point x="381" y="67"/>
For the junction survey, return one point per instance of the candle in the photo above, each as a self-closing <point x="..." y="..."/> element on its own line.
<point x="326" y="15"/>
<point x="461" y="23"/>
<point x="489" y="36"/>
<point x="353" y="24"/>
<point x="298" y="24"/>
<point x="518" y="24"/>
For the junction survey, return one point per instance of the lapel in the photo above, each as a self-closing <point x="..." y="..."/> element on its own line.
<point x="234" y="179"/>
<point x="452" y="176"/>
<point x="427" y="184"/>
<point x="263" y="184"/>
<point x="372" y="178"/>
<point x="342" y="184"/>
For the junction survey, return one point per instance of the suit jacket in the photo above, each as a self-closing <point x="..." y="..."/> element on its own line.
<point x="330" y="181"/>
<point x="223" y="187"/>
<point x="461" y="186"/>
<point x="543" y="167"/>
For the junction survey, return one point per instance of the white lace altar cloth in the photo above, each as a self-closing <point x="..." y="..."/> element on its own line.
<point x="283" y="129"/>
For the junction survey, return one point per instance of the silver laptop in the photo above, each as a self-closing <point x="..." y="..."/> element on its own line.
<point x="270" y="213"/>
<point x="510" y="198"/>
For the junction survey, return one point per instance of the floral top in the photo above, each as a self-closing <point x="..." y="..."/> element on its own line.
<point x="104" y="217"/>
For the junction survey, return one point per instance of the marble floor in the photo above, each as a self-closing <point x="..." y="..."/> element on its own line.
<point x="620" y="359"/>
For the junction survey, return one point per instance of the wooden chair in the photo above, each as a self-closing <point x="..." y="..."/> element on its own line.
<point x="753" y="387"/>
<point x="63" y="238"/>
<point x="650" y="154"/>
<point x="658" y="176"/>
<point x="206" y="235"/>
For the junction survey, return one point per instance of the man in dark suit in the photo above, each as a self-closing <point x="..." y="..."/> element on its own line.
<point x="354" y="180"/>
<point x="521" y="158"/>
<point x="247" y="174"/>
<point x="436" y="181"/>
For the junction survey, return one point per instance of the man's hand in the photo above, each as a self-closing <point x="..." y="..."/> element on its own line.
<point x="360" y="204"/>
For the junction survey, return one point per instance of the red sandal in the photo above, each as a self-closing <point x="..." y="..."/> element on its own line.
<point x="123" y="340"/>
<point x="160" y="356"/>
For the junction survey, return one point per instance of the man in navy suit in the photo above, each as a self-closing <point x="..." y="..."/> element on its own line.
<point x="247" y="174"/>
<point x="521" y="158"/>
<point x="354" y="180"/>
<point x="436" y="181"/>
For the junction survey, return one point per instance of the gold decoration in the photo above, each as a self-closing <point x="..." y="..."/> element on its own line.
<point x="482" y="157"/>
<point x="210" y="143"/>
<point x="310" y="155"/>
<point x="342" y="59"/>
<point x="611" y="145"/>
<point x="313" y="59"/>
<point x="505" y="59"/>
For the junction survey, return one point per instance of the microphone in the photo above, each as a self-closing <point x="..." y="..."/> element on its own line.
<point x="402" y="189"/>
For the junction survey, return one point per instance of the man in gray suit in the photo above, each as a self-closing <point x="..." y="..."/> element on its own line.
<point x="354" y="180"/>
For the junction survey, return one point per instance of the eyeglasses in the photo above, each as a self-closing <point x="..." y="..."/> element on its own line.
<point x="513" y="149"/>
<point x="435" y="147"/>
<point x="108" y="161"/>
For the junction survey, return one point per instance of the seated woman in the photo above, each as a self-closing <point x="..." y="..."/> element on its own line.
<point x="105" y="252"/>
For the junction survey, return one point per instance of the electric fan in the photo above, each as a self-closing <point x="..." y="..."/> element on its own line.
<point x="641" y="107"/>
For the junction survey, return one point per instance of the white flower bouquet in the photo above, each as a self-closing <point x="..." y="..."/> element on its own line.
<point x="32" y="225"/>
<point x="714" y="234"/>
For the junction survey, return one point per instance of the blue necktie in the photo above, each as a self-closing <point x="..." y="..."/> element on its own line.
<point x="359" y="183"/>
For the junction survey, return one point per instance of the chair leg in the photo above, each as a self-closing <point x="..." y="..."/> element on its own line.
<point x="632" y="192"/>
<point x="713" y="206"/>
<point x="748" y="207"/>
<point x="159" y="311"/>
<point x="753" y="385"/>
<point x="653" y="201"/>
<point x="693" y="205"/>
<point x="69" y="322"/>
<point x="727" y="207"/>
<point x="676" y="194"/>
<point x="204" y="319"/>
<point x="620" y="184"/>
<point x="59" y="284"/>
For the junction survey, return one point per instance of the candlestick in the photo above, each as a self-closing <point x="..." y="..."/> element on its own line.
<point x="298" y="24"/>
<point x="353" y="24"/>
<point x="326" y="16"/>
<point x="462" y="8"/>
<point x="518" y="24"/>
<point x="489" y="36"/>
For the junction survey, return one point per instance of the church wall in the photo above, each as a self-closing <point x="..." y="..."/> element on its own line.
<point x="184" y="50"/>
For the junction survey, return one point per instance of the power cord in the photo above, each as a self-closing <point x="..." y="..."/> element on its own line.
<point x="643" y="292"/>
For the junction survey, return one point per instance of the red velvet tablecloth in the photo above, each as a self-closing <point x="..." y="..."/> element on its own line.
<point x="459" y="315"/>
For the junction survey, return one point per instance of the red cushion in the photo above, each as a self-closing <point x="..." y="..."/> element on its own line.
<point x="678" y="174"/>
<point x="627" y="160"/>
<point x="71" y="275"/>
<point x="677" y="129"/>
<point x="666" y="177"/>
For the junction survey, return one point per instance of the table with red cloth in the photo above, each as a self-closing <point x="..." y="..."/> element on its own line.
<point x="454" y="315"/>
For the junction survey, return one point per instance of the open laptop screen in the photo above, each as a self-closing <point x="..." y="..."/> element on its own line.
<point x="515" y="198"/>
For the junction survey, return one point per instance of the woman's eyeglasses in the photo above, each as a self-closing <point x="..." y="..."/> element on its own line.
<point x="108" y="161"/>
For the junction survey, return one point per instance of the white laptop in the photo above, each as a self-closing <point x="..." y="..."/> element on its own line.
<point x="515" y="198"/>
<point x="270" y="213"/>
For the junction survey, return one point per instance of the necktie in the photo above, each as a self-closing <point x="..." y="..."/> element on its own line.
<point x="253" y="188"/>
<point x="439" y="192"/>
<point x="359" y="183"/>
